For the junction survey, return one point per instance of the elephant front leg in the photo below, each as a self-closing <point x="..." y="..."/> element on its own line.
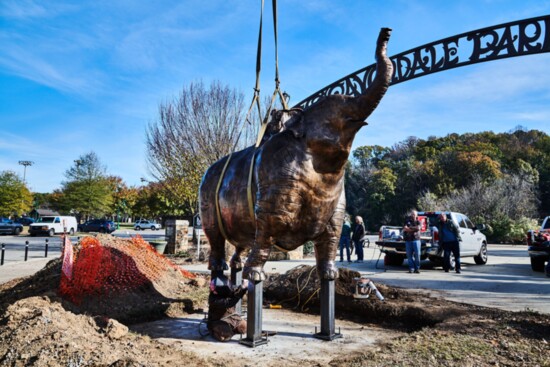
<point x="325" y="254"/>
<point x="253" y="269"/>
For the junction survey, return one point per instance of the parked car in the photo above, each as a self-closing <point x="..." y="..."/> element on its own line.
<point x="26" y="221"/>
<point x="474" y="243"/>
<point x="7" y="226"/>
<point x="538" y="246"/>
<point x="51" y="225"/>
<point x="146" y="224"/>
<point x="98" y="225"/>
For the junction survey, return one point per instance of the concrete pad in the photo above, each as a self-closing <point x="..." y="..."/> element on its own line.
<point x="294" y="340"/>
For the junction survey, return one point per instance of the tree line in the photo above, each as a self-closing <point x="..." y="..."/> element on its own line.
<point x="501" y="180"/>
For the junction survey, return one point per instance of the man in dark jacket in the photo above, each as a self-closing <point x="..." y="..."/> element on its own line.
<point x="223" y="321"/>
<point x="449" y="237"/>
<point x="345" y="240"/>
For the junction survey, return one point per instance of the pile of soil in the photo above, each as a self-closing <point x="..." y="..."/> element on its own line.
<point x="38" y="331"/>
<point x="299" y="289"/>
<point x="38" y="328"/>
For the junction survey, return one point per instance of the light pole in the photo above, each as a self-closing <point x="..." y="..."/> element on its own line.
<point x="25" y="164"/>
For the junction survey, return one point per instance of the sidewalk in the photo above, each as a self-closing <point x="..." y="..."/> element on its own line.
<point x="22" y="268"/>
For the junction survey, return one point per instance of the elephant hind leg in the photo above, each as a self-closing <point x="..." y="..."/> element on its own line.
<point x="216" y="259"/>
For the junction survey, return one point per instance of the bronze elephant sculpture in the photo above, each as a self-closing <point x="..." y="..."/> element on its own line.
<point x="296" y="188"/>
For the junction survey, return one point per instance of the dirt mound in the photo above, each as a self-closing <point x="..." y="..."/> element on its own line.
<point x="36" y="331"/>
<point x="121" y="279"/>
<point x="299" y="289"/>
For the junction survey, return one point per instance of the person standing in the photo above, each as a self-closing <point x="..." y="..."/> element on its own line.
<point x="449" y="237"/>
<point x="411" y="234"/>
<point x="345" y="239"/>
<point x="358" y="237"/>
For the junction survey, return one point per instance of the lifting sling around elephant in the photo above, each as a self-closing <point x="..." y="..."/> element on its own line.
<point x="294" y="191"/>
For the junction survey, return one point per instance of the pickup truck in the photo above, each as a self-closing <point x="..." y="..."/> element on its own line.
<point x="538" y="246"/>
<point x="473" y="244"/>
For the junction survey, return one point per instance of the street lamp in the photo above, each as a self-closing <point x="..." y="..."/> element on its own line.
<point x="25" y="164"/>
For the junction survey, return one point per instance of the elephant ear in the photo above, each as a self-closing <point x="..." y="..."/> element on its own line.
<point x="293" y="120"/>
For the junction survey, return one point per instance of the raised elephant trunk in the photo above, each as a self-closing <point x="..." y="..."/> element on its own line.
<point x="384" y="70"/>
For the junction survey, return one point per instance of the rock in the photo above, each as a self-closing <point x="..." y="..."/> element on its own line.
<point x="115" y="330"/>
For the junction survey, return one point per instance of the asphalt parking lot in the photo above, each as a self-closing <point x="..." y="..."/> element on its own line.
<point x="505" y="282"/>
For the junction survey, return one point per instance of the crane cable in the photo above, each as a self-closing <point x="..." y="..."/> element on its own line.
<point x="263" y="122"/>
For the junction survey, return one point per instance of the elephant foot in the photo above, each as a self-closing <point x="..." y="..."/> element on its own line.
<point x="255" y="274"/>
<point x="217" y="265"/>
<point x="327" y="270"/>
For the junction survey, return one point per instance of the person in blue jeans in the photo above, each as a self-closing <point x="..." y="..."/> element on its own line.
<point x="411" y="234"/>
<point x="345" y="239"/>
<point x="449" y="237"/>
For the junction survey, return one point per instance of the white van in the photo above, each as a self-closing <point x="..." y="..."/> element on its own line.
<point x="53" y="224"/>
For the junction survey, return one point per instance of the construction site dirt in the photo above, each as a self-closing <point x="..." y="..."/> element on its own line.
<point x="38" y="327"/>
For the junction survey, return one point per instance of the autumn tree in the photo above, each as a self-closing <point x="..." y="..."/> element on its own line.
<point x="15" y="197"/>
<point x="123" y="198"/>
<point x="191" y="132"/>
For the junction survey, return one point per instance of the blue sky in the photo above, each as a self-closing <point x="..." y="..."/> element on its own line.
<point x="77" y="76"/>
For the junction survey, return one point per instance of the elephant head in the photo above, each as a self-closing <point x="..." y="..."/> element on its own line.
<point x="329" y="126"/>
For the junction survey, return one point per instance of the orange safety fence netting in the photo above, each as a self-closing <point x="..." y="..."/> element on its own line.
<point x="106" y="265"/>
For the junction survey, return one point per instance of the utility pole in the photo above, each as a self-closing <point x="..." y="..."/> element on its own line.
<point x="25" y="164"/>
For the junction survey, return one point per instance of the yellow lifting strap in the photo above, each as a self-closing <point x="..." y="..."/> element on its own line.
<point x="263" y="123"/>
<point x="263" y="127"/>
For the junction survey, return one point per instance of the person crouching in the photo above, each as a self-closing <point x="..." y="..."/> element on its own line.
<point x="223" y="321"/>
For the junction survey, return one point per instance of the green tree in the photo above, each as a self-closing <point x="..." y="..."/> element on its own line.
<point x="15" y="197"/>
<point x="87" y="191"/>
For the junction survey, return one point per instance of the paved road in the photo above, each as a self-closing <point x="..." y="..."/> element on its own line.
<point x="506" y="281"/>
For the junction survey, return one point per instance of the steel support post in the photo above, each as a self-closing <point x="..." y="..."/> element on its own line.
<point x="254" y="316"/>
<point x="3" y="251"/>
<point x="237" y="279"/>
<point x="26" y="250"/>
<point x="328" y="331"/>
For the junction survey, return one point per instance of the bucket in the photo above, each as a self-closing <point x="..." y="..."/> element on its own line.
<point x="159" y="246"/>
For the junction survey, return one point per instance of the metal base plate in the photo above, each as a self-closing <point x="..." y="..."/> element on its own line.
<point x="328" y="337"/>
<point x="254" y="343"/>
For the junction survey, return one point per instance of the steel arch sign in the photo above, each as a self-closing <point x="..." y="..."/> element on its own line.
<point x="519" y="38"/>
